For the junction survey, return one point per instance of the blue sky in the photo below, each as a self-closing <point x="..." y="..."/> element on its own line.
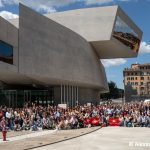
<point x="138" y="10"/>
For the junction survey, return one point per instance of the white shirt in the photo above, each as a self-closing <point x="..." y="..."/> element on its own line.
<point x="8" y="115"/>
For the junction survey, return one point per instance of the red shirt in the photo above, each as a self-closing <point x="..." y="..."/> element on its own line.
<point x="3" y="125"/>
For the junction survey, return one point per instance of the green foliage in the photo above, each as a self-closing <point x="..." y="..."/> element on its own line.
<point x="114" y="92"/>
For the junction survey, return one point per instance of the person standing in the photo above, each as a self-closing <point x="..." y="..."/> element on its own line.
<point x="3" y="127"/>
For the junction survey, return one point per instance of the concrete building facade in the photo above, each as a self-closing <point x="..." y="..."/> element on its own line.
<point x="53" y="59"/>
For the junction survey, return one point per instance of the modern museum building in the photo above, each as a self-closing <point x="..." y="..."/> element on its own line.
<point x="56" y="58"/>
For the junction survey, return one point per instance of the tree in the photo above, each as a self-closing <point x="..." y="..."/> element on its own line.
<point x="114" y="92"/>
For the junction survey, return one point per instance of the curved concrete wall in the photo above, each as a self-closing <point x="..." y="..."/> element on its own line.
<point x="52" y="53"/>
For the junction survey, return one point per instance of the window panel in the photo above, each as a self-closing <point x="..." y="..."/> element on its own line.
<point x="6" y="52"/>
<point x="126" y="35"/>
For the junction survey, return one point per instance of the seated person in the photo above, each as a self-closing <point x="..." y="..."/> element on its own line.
<point x="45" y="124"/>
<point x="16" y="124"/>
<point x="27" y="124"/>
<point x="61" y="124"/>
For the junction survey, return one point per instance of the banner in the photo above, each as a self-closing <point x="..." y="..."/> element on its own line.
<point x="93" y="121"/>
<point x="114" y="121"/>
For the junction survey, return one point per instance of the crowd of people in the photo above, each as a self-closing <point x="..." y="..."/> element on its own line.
<point x="34" y="117"/>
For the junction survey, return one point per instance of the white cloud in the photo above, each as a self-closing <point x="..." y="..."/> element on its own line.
<point x="41" y="5"/>
<point x="99" y="2"/>
<point x="8" y="15"/>
<point x="144" y="48"/>
<point x="52" y="5"/>
<point x="113" y="62"/>
<point x="46" y="9"/>
<point x="90" y="2"/>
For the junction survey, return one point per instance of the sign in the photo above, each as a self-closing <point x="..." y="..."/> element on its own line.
<point x="64" y="106"/>
<point x="88" y="104"/>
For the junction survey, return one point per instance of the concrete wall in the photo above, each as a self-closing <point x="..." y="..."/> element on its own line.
<point x="15" y="22"/>
<point x="94" y="24"/>
<point x="57" y="94"/>
<point x="51" y="53"/>
<point x="80" y="95"/>
<point x="9" y="34"/>
<point x="9" y="72"/>
<point x="87" y="95"/>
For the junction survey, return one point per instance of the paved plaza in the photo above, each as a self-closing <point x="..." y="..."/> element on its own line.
<point x="28" y="140"/>
<point x="109" y="138"/>
<point x="23" y="135"/>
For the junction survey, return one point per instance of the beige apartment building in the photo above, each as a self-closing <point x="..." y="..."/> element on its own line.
<point x="137" y="81"/>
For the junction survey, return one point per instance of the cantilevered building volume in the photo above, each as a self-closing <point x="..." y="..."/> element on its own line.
<point x="55" y="58"/>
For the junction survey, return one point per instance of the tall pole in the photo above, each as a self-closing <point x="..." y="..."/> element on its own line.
<point x="72" y="97"/>
<point x="64" y="95"/>
<point x="67" y="95"/>
<point x="61" y="93"/>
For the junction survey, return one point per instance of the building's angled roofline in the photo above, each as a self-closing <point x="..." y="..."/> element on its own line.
<point x="82" y="9"/>
<point x="96" y="25"/>
<point x="145" y="64"/>
<point x="138" y="64"/>
<point x="136" y="69"/>
<point x="15" y="21"/>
